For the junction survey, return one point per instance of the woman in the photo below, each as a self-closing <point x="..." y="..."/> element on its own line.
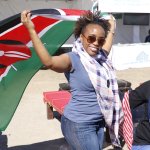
<point x="94" y="89"/>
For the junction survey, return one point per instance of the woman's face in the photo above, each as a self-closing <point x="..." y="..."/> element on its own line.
<point x="93" y="38"/>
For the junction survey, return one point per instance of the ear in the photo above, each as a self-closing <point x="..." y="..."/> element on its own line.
<point x="81" y="38"/>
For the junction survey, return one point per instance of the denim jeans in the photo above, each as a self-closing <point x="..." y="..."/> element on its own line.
<point x="83" y="136"/>
<point x="141" y="147"/>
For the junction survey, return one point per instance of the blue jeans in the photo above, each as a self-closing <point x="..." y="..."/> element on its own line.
<point x="83" y="136"/>
<point x="141" y="147"/>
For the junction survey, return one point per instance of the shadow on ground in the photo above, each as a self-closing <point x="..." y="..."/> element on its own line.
<point x="58" y="144"/>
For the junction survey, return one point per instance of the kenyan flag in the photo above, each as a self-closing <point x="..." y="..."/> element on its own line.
<point x="18" y="61"/>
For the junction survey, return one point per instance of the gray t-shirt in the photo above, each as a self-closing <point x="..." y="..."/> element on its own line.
<point x="83" y="106"/>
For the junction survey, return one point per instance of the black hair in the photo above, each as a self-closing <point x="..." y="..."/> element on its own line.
<point x="90" y="18"/>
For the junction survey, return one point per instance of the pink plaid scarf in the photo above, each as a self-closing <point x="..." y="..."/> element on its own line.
<point x="103" y="78"/>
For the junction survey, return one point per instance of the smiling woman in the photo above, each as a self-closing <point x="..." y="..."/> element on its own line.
<point x="94" y="40"/>
<point x="88" y="71"/>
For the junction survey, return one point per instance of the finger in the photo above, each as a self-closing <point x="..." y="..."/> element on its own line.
<point x="29" y="16"/>
<point x="24" y="15"/>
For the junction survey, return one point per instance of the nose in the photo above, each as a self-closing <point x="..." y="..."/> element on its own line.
<point x="96" y="42"/>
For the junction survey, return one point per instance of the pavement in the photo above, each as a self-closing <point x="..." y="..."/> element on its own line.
<point x="30" y="129"/>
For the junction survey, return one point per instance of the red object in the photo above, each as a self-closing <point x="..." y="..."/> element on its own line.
<point x="57" y="99"/>
<point x="127" y="125"/>
<point x="12" y="51"/>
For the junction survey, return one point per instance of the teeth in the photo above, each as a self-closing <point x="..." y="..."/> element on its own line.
<point x="93" y="48"/>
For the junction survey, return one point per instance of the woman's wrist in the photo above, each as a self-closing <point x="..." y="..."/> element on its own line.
<point x="32" y="31"/>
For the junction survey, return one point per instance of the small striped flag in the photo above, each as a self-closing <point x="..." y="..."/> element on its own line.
<point x="126" y="128"/>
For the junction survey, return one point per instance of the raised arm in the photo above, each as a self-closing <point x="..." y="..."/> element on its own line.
<point x="110" y="36"/>
<point x="57" y="63"/>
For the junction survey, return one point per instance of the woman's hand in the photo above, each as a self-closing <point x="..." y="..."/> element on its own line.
<point x="26" y="20"/>
<point x="110" y="36"/>
<point x="112" y="22"/>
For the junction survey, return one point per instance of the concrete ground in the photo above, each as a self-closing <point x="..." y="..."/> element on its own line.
<point x="29" y="129"/>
